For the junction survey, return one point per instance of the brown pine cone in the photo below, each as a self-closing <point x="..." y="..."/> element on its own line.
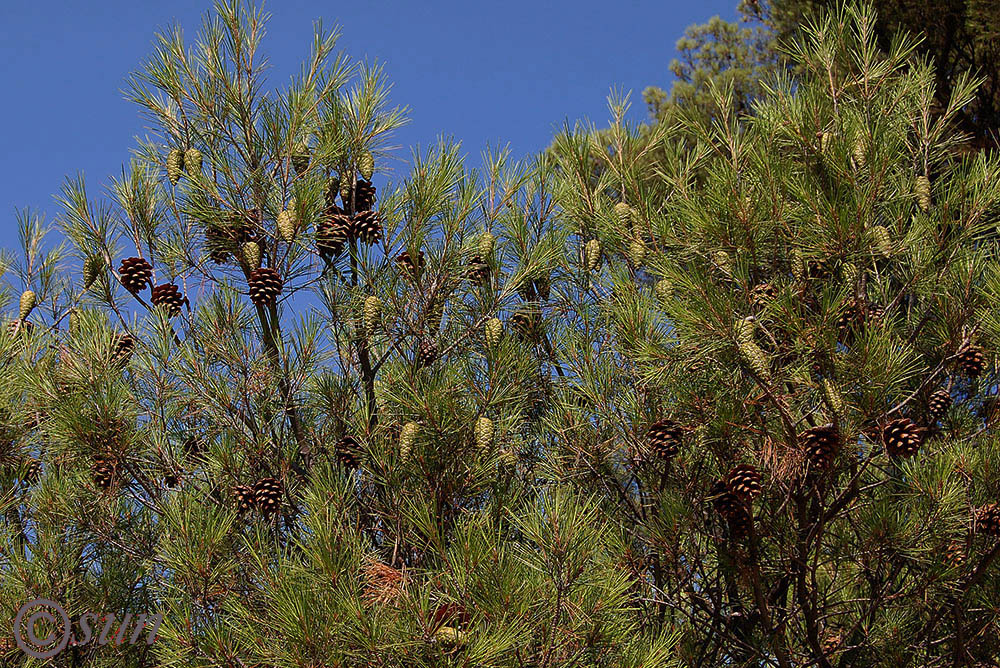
<point x="332" y="233"/>
<point x="664" y="438"/>
<point x="267" y="495"/>
<point x="169" y="296"/>
<point x="348" y="452"/>
<point x="135" y="274"/>
<point x="744" y="481"/>
<point x="902" y="438"/>
<point x="265" y="286"/>
<point x="821" y="445"/>
<point x="366" y="227"/>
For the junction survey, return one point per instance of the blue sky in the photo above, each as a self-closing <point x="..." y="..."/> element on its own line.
<point x="483" y="73"/>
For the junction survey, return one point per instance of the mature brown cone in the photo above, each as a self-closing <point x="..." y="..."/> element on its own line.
<point x="954" y="554"/>
<point x="413" y="268"/>
<point x="478" y="270"/>
<point x="366" y="227"/>
<point x="723" y="500"/>
<point x="744" y="481"/>
<point x="244" y="497"/>
<point x="543" y="287"/>
<point x="971" y="360"/>
<point x="135" y="274"/>
<point x="123" y="346"/>
<point x="332" y="232"/>
<point x="525" y="323"/>
<point x="105" y="472"/>
<point x="171" y="479"/>
<point x="663" y="438"/>
<point x="264" y="285"/>
<point x="902" y="437"/>
<point x="739" y="523"/>
<point x="217" y="245"/>
<point x="427" y="353"/>
<point x="267" y="495"/>
<point x="363" y="195"/>
<point x="348" y="452"/>
<point x="762" y="294"/>
<point x="938" y="404"/>
<point x="821" y="445"/>
<point x="988" y="519"/>
<point x="33" y="471"/>
<point x="169" y="296"/>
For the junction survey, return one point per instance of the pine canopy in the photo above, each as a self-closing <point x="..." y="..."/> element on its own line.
<point x="714" y="392"/>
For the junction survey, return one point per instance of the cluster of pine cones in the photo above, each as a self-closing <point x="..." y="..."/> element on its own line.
<point x="354" y="219"/>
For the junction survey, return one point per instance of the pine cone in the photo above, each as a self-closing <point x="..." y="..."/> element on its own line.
<point x="494" y="331"/>
<point x="663" y="438"/>
<point x="123" y="346"/>
<point x="821" y="445"/>
<point x="478" y="270"/>
<point x="592" y="254"/>
<point x="169" y="296"/>
<point x="244" y="497"/>
<point x="251" y="254"/>
<point x="407" y="438"/>
<point x="91" y="270"/>
<point x="288" y="224"/>
<point x="192" y="162"/>
<point x="267" y="495"/>
<point x="762" y="294"/>
<point x="366" y="226"/>
<point x="33" y="471"/>
<point x="427" y="353"/>
<point x="744" y="481"/>
<point x="175" y="165"/>
<point x="371" y="314"/>
<point x="938" y="404"/>
<point x="330" y="195"/>
<point x="332" y="233"/>
<point x="265" y="286"/>
<point x="483" y="432"/>
<point x="922" y="189"/>
<point x="988" y="519"/>
<point x="954" y="554"/>
<point x="526" y="324"/>
<point x="902" y="438"/>
<point x="135" y="274"/>
<point x="105" y="472"/>
<point x="28" y="302"/>
<point x="485" y="246"/>
<point x="971" y="360"/>
<point x="724" y="501"/>
<point x="664" y="289"/>
<point x="363" y="196"/>
<point x="300" y="157"/>
<point x="348" y="452"/>
<point x="405" y="260"/>
<point x="366" y="165"/>
<point x="624" y="213"/>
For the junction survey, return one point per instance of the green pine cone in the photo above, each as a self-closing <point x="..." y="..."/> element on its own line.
<point x="592" y="254"/>
<point x="252" y="255"/>
<point x="881" y="241"/>
<point x="755" y="359"/>
<point x="372" y="314"/>
<point x="300" y="157"/>
<point x="28" y="301"/>
<point x="832" y="398"/>
<point x="484" y="433"/>
<point x="744" y="331"/>
<point x="366" y="165"/>
<point x="861" y="152"/>
<point x="798" y="265"/>
<point x="74" y="321"/>
<point x="664" y="289"/>
<point x="288" y="223"/>
<point x="192" y="162"/>
<point x="637" y="253"/>
<point x="486" y="242"/>
<point x="922" y="189"/>
<point x="407" y="437"/>
<point x="91" y="268"/>
<point x="721" y="259"/>
<point x="175" y="165"/>
<point x="624" y="213"/>
<point x="494" y="330"/>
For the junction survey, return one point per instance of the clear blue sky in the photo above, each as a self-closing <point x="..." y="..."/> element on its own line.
<point x="482" y="72"/>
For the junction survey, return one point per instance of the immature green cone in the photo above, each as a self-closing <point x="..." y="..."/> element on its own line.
<point x="175" y="165"/>
<point x="300" y="157"/>
<point x="861" y="152"/>
<point x="288" y="224"/>
<point x="372" y="314"/>
<point x="755" y="358"/>
<point x="74" y="321"/>
<point x="494" y="330"/>
<point x="252" y="254"/>
<point x="624" y="213"/>
<point x="486" y="242"/>
<point x="192" y="162"/>
<point x="881" y="241"/>
<point x="91" y="268"/>
<point x="721" y="260"/>
<point x="664" y="289"/>
<point x="922" y="189"/>
<point x="366" y="165"/>
<point x="798" y="265"/>
<point x="28" y="301"/>
<point x="450" y="636"/>
<point x="849" y="273"/>
<point x="744" y="331"/>
<point x="824" y="141"/>
<point x="637" y="253"/>
<point x="484" y="432"/>
<point x="407" y="437"/>
<point x="592" y="254"/>
<point x="832" y="398"/>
